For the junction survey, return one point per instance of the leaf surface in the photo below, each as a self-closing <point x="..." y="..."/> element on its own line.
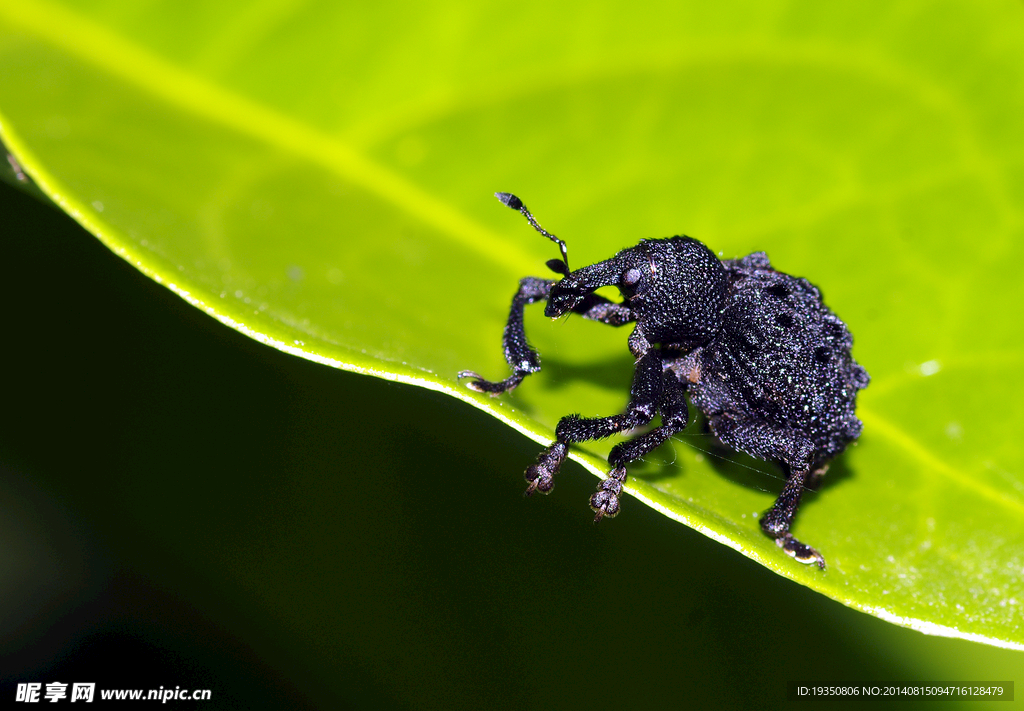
<point x="319" y="177"/>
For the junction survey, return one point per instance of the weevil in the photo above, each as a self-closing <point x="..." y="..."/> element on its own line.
<point x="756" y="350"/>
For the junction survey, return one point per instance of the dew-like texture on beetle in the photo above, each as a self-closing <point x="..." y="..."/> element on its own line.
<point x="784" y="382"/>
<point x="756" y="350"/>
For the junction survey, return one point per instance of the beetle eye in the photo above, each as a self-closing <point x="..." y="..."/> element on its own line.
<point x="631" y="277"/>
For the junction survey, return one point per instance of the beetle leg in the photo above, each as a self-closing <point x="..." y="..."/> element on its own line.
<point x="521" y="358"/>
<point x="645" y="394"/>
<point x="674" y="418"/>
<point x="541" y="475"/>
<point x="606" y="501"/>
<point x="597" y="308"/>
<point x="779" y="518"/>
<point x="816" y="475"/>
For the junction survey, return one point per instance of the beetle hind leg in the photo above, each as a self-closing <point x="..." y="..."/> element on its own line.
<point x="778" y="519"/>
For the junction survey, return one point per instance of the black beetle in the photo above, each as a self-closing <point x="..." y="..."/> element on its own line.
<point x="757" y="351"/>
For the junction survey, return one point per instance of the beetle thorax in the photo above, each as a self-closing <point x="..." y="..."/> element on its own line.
<point x="676" y="288"/>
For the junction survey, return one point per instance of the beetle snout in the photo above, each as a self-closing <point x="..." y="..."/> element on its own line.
<point x="561" y="303"/>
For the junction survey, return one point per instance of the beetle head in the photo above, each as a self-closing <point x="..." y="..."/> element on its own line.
<point x="574" y="287"/>
<point x="565" y="295"/>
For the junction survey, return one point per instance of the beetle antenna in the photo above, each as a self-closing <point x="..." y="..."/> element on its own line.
<point x="510" y="200"/>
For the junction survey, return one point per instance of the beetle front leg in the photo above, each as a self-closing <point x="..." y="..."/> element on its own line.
<point x="597" y="308"/>
<point x="521" y="358"/>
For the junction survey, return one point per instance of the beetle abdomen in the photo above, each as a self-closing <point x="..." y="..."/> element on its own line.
<point x="779" y="381"/>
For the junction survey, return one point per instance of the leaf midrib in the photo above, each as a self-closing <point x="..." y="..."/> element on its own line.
<point x="915" y="450"/>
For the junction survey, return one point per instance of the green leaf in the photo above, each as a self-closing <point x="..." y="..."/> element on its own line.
<point x="319" y="177"/>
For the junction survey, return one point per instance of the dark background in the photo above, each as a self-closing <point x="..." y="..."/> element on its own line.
<point x="182" y="506"/>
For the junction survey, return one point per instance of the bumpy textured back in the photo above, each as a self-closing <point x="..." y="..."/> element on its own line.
<point x="779" y="382"/>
